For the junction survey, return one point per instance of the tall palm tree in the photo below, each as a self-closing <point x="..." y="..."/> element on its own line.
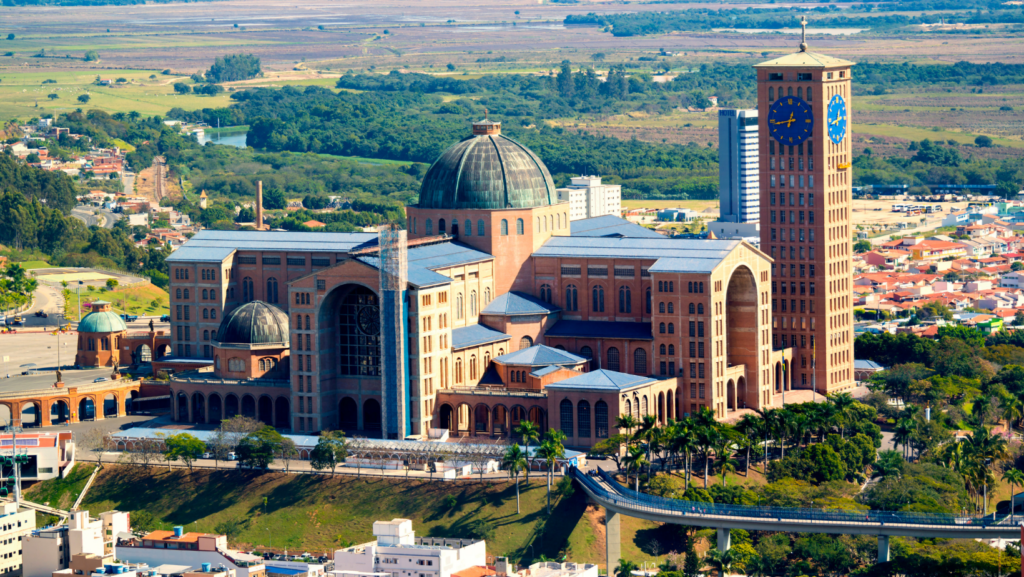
<point x="515" y="461"/>
<point x="1012" y="408"/>
<point x="707" y="438"/>
<point x="684" y="440"/>
<point x="757" y="566"/>
<point x="751" y="426"/>
<point x="550" y="452"/>
<point x="771" y="417"/>
<point x="724" y="457"/>
<point x="844" y="408"/>
<point x="625" y="568"/>
<point x="527" y="431"/>
<point x="721" y="560"/>
<point x="648" y="432"/>
<point x="1014" y="477"/>
<point x="902" y="433"/>
<point x="798" y="425"/>
<point x="627" y="423"/>
<point x="635" y="459"/>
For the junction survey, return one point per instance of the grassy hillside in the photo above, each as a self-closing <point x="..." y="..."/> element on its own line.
<point x="317" y="514"/>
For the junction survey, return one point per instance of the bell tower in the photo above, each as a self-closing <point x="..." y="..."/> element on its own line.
<point x="805" y="155"/>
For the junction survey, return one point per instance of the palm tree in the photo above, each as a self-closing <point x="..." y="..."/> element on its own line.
<point x="684" y="440"/>
<point x="648" y="432"/>
<point x="798" y="425"/>
<point x="707" y="438"/>
<point x="844" y="407"/>
<point x="635" y="459"/>
<point x="902" y="432"/>
<point x="724" y="458"/>
<point x="528" y="431"/>
<point x="515" y="461"/>
<point x="1012" y="408"/>
<point x="625" y="568"/>
<point x="721" y="560"/>
<point x="771" y="425"/>
<point x="551" y="450"/>
<point x="758" y="566"/>
<point x="626" y="422"/>
<point x="751" y="426"/>
<point x="1014" y="477"/>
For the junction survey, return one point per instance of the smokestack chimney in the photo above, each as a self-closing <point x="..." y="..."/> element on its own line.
<point x="259" y="205"/>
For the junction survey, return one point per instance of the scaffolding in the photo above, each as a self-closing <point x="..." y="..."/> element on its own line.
<point x="395" y="385"/>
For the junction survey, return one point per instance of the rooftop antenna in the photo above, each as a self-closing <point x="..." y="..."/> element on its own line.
<point x="803" y="34"/>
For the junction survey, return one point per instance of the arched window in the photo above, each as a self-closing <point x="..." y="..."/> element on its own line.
<point x="643" y="406"/>
<point x="648" y="306"/>
<point x="206" y="313"/>
<point x="271" y="290"/>
<point x="671" y="308"/>
<point x="177" y="292"/>
<point x="571" y="303"/>
<point x="671" y="328"/>
<point x="186" y="294"/>
<point x="629" y="407"/>
<point x="216" y="363"/>
<point x="213" y="314"/>
<point x="691" y="308"/>
<point x="440" y="226"/>
<point x="247" y="294"/>
<point x="545" y="293"/>
<point x="565" y="416"/>
<point x="458" y="371"/>
<point x="206" y="335"/>
<point x="671" y="349"/>
<point x="480" y="228"/>
<point x="661" y="308"/>
<point x="671" y="286"/>
<point x="613" y="359"/>
<point x="487" y="296"/>
<point x="472" y="367"/>
<point x="205" y="293"/>
<point x="504" y="227"/>
<point x="588" y="354"/>
<point x="455" y="227"/>
<point x="472" y="303"/>
<point x="700" y="309"/>
<point x="458" y="306"/>
<point x="236" y="365"/>
<point x="661" y="328"/>
<point x="640" y="361"/>
<point x="307" y="322"/>
<point x="428" y="227"/>
<point x="625" y="300"/>
<point x="538" y="229"/>
<point x="601" y="420"/>
<point x="598" y="302"/>
<point x="519" y="226"/>
<point x="469" y="227"/>
<point x="661" y="349"/>
<point x="298" y="321"/>
<point x="487" y="359"/>
<point x="583" y="418"/>
<point x="262" y="365"/>
<point x="525" y="343"/>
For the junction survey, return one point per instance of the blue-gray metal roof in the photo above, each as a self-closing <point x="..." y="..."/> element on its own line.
<point x="702" y="254"/>
<point x="601" y="380"/>
<point x="684" y="265"/>
<point x="610" y="226"/>
<point x="475" y="335"/>
<point x="863" y="364"/>
<point x="208" y="245"/>
<point x="540" y="355"/>
<point x="517" y="303"/>
<point x="601" y="329"/>
<point x="423" y="260"/>
<point x="545" y="370"/>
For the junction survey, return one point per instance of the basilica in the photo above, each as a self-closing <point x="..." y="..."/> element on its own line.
<point x="492" y="307"/>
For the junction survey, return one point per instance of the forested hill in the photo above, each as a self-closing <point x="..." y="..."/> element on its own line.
<point x="52" y="188"/>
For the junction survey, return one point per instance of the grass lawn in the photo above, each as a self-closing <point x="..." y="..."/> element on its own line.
<point x="914" y="133"/>
<point x="61" y="493"/>
<point x="33" y="264"/>
<point x="23" y="94"/>
<point x="140" y="299"/>
<point x="317" y="513"/>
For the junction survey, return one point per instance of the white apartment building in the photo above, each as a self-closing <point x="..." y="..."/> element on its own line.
<point x="397" y="551"/>
<point x="739" y="190"/>
<point x="190" y="550"/>
<point x="588" y="198"/>
<point x="14" y="527"/>
<point x="52" y="549"/>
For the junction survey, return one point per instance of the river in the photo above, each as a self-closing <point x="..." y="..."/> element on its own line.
<point x="236" y="139"/>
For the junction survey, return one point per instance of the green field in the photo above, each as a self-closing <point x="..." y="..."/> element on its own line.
<point x="914" y="133"/>
<point x="34" y="264"/>
<point x="23" y="94"/>
<point x="318" y="513"/>
<point x="139" y="299"/>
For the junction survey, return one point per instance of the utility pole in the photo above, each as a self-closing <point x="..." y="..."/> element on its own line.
<point x="15" y="461"/>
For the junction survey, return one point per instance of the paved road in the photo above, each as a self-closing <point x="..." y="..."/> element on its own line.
<point x="128" y="180"/>
<point x="86" y="214"/>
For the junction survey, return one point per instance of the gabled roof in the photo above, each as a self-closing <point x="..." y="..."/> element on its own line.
<point x="424" y="260"/>
<point x="517" y="303"/>
<point x="540" y="355"/>
<point x="610" y="226"/>
<point x="601" y="329"/>
<point x="475" y="335"/>
<point x="684" y="255"/>
<point x="601" y="380"/>
<point x="545" y="371"/>
<point x="805" y="60"/>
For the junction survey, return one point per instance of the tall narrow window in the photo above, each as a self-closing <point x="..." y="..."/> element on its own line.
<point x="440" y="226"/>
<point x="598" y="301"/>
<point x="640" y="361"/>
<point x="519" y="226"/>
<point x="472" y="304"/>
<point x="428" y="227"/>
<point x="583" y="419"/>
<point x="648" y="305"/>
<point x="480" y="228"/>
<point x="625" y="300"/>
<point x="247" y="294"/>
<point x="504" y="227"/>
<point x="565" y="416"/>
<point x="271" y="290"/>
<point x="571" y="302"/>
<point x="613" y="359"/>
<point x="469" y="227"/>
<point x="459" y="311"/>
<point x="601" y="420"/>
<point x="545" y="293"/>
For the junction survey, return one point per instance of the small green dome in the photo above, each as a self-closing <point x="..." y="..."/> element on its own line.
<point x="102" y="322"/>
<point x="487" y="171"/>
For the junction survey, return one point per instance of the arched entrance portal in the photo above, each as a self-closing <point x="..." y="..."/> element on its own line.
<point x="215" y="410"/>
<point x="198" y="406"/>
<point x="143" y="354"/>
<point x="31" y="415"/>
<point x="266" y="410"/>
<point x="447" y="422"/>
<point x="87" y="409"/>
<point x="248" y="406"/>
<point x="348" y="414"/>
<point x="110" y="406"/>
<point x="741" y="342"/>
<point x="371" y="416"/>
<point x="282" y="416"/>
<point x="350" y="331"/>
<point x="59" y="413"/>
<point x="230" y="406"/>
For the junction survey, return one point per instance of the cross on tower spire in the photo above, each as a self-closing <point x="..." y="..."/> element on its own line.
<point x="803" y="34"/>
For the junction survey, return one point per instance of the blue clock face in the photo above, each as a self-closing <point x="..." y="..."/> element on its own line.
<point x="837" y="119"/>
<point x="790" y="120"/>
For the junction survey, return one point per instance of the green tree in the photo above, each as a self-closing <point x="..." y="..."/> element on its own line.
<point x="185" y="448"/>
<point x="53" y="96"/>
<point x="635" y="459"/>
<point x="91" y="56"/>
<point x="861" y="246"/>
<point x="274" y="199"/>
<point x="550" y="450"/>
<point x="111" y="284"/>
<point x="182" y="88"/>
<point x="331" y="449"/>
<point x="84" y="98"/>
<point x="625" y="568"/>
<point x="983" y="141"/>
<point x="527" y="431"/>
<point x="450" y="67"/>
<point x="143" y="521"/>
<point x="257" y="450"/>
<point x="611" y="448"/>
<point x="514" y="462"/>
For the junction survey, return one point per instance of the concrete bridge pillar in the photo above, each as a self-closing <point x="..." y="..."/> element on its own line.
<point x="724" y="539"/>
<point x="883" y="548"/>
<point x="612" y="539"/>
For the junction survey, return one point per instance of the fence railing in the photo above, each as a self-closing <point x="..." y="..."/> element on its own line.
<point x="629" y="498"/>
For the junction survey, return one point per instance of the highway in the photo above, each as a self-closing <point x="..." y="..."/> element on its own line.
<point x="618" y="500"/>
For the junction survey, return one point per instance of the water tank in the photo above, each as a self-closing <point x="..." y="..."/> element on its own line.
<point x="207" y="567"/>
<point x="179" y="531"/>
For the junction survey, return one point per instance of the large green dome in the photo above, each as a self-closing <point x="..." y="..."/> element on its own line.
<point x="487" y="171"/>
<point x="101" y="322"/>
<point x="254" y="323"/>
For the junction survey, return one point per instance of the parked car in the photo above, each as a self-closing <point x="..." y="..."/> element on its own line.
<point x="207" y="455"/>
<point x="130" y="318"/>
<point x="165" y="318"/>
<point x="232" y="456"/>
<point x="41" y="314"/>
<point x="99" y="380"/>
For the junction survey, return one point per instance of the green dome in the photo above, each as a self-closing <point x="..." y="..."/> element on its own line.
<point x="101" y="322"/>
<point x="487" y="171"/>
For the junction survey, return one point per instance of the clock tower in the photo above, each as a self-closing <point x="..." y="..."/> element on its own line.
<point x="805" y="157"/>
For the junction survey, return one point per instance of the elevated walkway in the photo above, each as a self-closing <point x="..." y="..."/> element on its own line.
<point x="618" y="500"/>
